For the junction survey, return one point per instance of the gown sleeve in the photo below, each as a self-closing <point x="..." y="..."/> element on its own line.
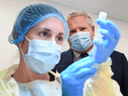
<point x="8" y="85"/>
<point x="101" y="84"/>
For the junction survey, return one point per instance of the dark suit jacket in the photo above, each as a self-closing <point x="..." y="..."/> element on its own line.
<point x="119" y="68"/>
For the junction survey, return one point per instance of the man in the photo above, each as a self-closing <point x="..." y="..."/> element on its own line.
<point x="80" y="25"/>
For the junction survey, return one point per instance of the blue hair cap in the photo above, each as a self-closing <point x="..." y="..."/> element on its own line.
<point x="31" y="16"/>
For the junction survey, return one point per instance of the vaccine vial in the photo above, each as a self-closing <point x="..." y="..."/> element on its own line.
<point x="102" y="16"/>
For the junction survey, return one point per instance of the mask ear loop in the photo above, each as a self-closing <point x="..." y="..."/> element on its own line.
<point x="27" y="39"/>
<point x="20" y="47"/>
<point x="21" y="50"/>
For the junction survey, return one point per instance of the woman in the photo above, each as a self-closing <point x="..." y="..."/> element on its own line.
<point x="39" y="32"/>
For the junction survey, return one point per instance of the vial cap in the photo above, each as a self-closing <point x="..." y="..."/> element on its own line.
<point x="102" y="16"/>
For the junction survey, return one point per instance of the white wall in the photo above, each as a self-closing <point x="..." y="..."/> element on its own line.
<point x="8" y="12"/>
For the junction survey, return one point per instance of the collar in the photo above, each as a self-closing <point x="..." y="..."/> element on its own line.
<point x="77" y="55"/>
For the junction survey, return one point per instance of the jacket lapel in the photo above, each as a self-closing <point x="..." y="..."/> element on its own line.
<point x="69" y="58"/>
<point x="66" y="60"/>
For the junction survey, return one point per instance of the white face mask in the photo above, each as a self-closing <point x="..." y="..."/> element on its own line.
<point x="81" y="41"/>
<point x="42" y="55"/>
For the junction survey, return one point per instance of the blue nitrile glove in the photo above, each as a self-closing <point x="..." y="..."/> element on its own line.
<point x="111" y="35"/>
<point x="74" y="77"/>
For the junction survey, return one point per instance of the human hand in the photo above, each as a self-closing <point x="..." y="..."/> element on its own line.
<point x="74" y="77"/>
<point x="111" y="35"/>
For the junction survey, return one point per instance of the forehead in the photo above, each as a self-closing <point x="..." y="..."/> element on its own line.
<point x="77" y="21"/>
<point x="52" y="23"/>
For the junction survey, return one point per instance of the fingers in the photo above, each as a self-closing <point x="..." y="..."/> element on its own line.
<point x="108" y="39"/>
<point x="81" y="70"/>
<point x="111" y="26"/>
<point x="85" y="72"/>
<point x="86" y="63"/>
<point x="101" y="23"/>
<point x="102" y="45"/>
<point x="96" y="41"/>
<point x="77" y="63"/>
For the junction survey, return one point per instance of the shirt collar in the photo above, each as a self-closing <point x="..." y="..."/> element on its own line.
<point x="77" y="55"/>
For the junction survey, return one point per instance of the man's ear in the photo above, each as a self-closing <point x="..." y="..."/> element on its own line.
<point x="68" y="40"/>
<point x="93" y="30"/>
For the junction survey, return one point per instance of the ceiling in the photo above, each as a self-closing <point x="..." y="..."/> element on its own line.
<point x="115" y="8"/>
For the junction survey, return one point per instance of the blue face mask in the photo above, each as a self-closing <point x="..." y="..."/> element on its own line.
<point x="42" y="55"/>
<point x="81" y="41"/>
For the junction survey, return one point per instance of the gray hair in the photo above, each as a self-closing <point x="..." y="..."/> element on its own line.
<point x="77" y="13"/>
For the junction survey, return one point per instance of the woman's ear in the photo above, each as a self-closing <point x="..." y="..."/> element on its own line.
<point x="20" y="45"/>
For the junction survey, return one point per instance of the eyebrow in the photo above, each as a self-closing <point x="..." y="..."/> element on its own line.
<point x="61" y="34"/>
<point x="47" y="29"/>
<point x="73" y="30"/>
